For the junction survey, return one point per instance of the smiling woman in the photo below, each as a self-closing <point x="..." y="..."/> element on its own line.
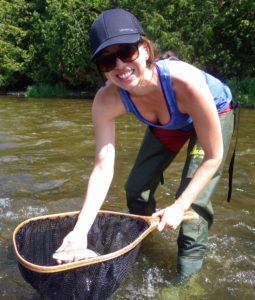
<point x="179" y="103"/>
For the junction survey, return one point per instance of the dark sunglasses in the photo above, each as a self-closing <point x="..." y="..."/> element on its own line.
<point x="126" y="53"/>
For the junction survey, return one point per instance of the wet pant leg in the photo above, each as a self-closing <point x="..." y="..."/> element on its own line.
<point x="193" y="235"/>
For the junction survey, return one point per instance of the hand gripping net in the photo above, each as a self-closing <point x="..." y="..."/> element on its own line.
<point x="115" y="236"/>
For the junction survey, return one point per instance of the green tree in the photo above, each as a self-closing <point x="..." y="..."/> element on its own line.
<point x="234" y="32"/>
<point x="16" y="52"/>
<point x="46" y="41"/>
<point x="63" y="53"/>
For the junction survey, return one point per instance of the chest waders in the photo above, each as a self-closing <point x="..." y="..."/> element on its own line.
<point x="153" y="158"/>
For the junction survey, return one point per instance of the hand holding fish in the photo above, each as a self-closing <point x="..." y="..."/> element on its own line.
<point x="74" y="255"/>
<point x="72" y="248"/>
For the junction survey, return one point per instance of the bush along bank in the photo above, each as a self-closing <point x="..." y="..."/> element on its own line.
<point x="243" y="91"/>
<point x="55" y="91"/>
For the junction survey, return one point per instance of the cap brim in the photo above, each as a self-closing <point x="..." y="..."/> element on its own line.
<point x="123" y="39"/>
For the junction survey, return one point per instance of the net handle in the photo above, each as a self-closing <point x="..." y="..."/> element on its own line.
<point x="189" y="215"/>
<point x="151" y="221"/>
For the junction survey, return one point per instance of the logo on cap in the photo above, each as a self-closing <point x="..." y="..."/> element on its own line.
<point x="126" y="30"/>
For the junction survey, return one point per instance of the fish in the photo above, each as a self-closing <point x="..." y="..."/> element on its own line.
<point x="74" y="254"/>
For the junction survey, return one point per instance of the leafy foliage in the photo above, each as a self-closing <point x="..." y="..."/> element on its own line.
<point x="16" y="51"/>
<point x="243" y="90"/>
<point x="46" y="90"/>
<point x="46" y="41"/>
<point x="63" y="51"/>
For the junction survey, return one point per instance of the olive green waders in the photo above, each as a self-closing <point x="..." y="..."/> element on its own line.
<point x="153" y="158"/>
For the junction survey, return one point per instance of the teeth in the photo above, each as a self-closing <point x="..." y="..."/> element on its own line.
<point x="125" y="75"/>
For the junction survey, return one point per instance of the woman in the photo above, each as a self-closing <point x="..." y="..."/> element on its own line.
<point x="178" y="102"/>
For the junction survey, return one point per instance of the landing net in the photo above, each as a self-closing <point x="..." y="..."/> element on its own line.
<point x="115" y="236"/>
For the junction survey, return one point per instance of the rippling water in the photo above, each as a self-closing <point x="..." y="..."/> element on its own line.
<point x="46" y="155"/>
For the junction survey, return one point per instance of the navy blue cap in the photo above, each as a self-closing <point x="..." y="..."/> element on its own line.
<point x="114" y="26"/>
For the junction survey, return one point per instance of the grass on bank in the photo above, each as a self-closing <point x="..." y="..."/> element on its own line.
<point x="243" y="91"/>
<point x="46" y="91"/>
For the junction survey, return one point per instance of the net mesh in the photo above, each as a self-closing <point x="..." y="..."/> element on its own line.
<point x="37" y="240"/>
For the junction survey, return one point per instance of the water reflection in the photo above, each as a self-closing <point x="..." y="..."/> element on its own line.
<point x="46" y="154"/>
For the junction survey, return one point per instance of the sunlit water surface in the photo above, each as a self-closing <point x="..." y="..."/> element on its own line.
<point x="46" y="155"/>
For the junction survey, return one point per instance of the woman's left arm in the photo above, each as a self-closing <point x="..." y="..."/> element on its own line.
<point x="194" y="98"/>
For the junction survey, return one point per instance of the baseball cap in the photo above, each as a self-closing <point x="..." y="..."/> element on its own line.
<point x="114" y="26"/>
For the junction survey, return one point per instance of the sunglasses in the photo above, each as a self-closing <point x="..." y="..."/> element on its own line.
<point x="126" y="53"/>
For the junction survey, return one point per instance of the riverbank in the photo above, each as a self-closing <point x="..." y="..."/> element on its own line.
<point x="243" y="91"/>
<point x="68" y="95"/>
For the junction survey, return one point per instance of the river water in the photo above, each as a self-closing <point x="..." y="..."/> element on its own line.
<point x="46" y="155"/>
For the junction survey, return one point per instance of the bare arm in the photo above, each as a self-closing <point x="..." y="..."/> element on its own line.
<point x="102" y="173"/>
<point x="199" y="103"/>
<point x="195" y="99"/>
<point x="104" y="112"/>
<point x="106" y="107"/>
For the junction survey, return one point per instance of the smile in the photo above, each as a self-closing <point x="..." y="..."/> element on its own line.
<point x="125" y="75"/>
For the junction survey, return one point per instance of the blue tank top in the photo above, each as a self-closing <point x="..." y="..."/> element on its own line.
<point x="221" y="94"/>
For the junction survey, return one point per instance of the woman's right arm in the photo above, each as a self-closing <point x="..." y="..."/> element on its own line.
<point x="102" y="173"/>
<point x="106" y="107"/>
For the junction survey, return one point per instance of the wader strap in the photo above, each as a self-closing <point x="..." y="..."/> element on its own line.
<point x="162" y="179"/>
<point x="236" y="108"/>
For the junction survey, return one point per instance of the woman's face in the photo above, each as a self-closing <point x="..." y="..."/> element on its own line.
<point x="124" y="65"/>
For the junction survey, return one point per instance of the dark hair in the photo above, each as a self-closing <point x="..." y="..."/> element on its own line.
<point x="154" y="54"/>
<point x="153" y="51"/>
